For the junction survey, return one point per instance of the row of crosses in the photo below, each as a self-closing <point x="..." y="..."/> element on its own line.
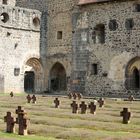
<point x="75" y="96"/>
<point x="21" y="120"/>
<point x="83" y="106"/>
<point x="100" y="101"/>
<point x="29" y="98"/>
<point x="126" y="114"/>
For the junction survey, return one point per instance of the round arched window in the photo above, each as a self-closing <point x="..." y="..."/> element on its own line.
<point x="4" y="17"/>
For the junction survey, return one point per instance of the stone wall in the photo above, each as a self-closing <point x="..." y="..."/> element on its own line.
<point x="8" y="2"/>
<point x="111" y="57"/>
<point x="20" y="41"/>
<point x="59" y="49"/>
<point x="70" y="36"/>
<point x="56" y="17"/>
<point x="40" y="5"/>
<point x="80" y="52"/>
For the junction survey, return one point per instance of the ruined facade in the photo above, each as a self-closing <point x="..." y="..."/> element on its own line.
<point x="106" y="47"/>
<point x="57" y="46"/>
<point x="21" y="69"/>
<point x="87" y="46"/>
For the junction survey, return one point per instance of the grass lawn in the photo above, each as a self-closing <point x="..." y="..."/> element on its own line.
<point x="48" y="123"/>
<point x="5" y="136"/>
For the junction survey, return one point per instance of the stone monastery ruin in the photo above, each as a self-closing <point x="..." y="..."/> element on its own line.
<point x="86" y="46"/>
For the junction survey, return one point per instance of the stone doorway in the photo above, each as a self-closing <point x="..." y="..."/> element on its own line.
<point x="29" y="80"/>
<point x="133" y="74"/>
<point x="33" y="76"/>
<point x="58" y="78"/>
<point x="136" y="78"/>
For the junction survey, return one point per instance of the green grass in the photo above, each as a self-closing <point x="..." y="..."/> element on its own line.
<point x="6" y="136"/>
<point x="48" y="123"/>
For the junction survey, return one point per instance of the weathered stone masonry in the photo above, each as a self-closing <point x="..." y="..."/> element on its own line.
<point x="89" y="48"/>
<point x="19" y="39"/>
<point x="59" y="50"/>
<point x="56" y="54"/>
<point x="111" y="56"/>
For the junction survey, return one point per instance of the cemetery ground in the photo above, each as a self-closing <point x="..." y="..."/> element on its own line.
<point x="50" y="123"/>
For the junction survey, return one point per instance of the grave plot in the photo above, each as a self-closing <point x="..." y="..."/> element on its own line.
<point x="48" y="121"/>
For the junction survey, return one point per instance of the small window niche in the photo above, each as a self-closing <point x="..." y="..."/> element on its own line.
<point x="16" y="71"/>
<point x="36" y="22"/>
<point x="16" y="45"/>
<point x="105" y="74"/>
<point x="8" y="34"/>
<point x="98" y="34"/>
<point x="129" y="24"/>
<point x="5" y="2"/>
<point x="4" y="17"/>
<point x="94" y="69"/>
<point x="59" y="34"/>
<point x="113" y="25"/>
<point x="137" y="7"/>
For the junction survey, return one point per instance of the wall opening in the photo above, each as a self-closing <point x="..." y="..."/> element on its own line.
<point x="36" y="21"/>
<point x="136" y="77"/>
<point x="113" y="25"/>
<point x="129" y="24"/>
<point x="29" y="80"/>
<point x="16" y="71"/>
<point x="59" y="35"/>
<point x="5" y="2"/>
<point x="58" y="80"/>
<point x="137" y="7"/>
<point x="94" y="69"/>
<point x="4" y="17"/>
<point x="98" y="34"/>
<point x="132" y="81"/>
<point x="33" y="79"/>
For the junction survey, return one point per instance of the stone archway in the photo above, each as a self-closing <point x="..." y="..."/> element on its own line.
<point x="133" y="74"/>
<point x="33" y="75"/>
<point x="58" y="77"/>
